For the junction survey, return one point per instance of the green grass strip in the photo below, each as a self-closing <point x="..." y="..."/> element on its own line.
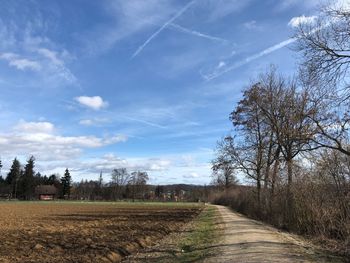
<point x="194" y="246"/>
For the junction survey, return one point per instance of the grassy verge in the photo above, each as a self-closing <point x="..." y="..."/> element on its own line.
<point x="194" y="246"/>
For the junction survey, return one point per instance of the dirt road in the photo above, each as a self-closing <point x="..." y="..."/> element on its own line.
<point x="246" y="240"/>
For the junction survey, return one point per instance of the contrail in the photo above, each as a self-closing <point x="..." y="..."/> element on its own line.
<point x="238" y="64"/>
<point x="267" y="51"/>
<point x="162" y="28"/>
<point x="145" y="122"/>
<point x="196" y="33"/>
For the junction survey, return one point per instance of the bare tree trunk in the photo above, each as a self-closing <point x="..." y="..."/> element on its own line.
<point x="273" y="180"/>
<point x="258" y="187"/>
<point x="268" y="162"/>
<point x="290" y="206"/>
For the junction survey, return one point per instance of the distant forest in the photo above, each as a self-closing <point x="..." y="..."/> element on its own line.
<point x="290" y="138"/>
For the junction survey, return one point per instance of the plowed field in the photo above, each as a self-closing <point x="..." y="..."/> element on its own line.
<point x="85" y="232"/>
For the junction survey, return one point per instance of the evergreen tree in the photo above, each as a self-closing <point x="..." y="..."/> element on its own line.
<point x="27" y="182"/>
<point x="2" y="181"/>
<point x="100" y="180"/>
<point x="0" y="167"/>
<point x="66" y="182"/>
<point x="13" y="176"/>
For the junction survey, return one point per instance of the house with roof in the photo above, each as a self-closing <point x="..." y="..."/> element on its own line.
<point x="46" y="192"/>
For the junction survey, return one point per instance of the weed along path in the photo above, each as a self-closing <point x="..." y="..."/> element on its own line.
<point x="246" y="240"/>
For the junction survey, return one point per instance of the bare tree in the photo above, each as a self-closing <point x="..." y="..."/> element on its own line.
<point x="119" y="178"/>
<point x="223" y="168"/>
<point x="252" y="117"/>
<point x="286" y="110"/>
<point x="137" y="182"/>
<point x="251" y="152"/>
<point x="325" y="45"/>
<point x="325" y="49"/>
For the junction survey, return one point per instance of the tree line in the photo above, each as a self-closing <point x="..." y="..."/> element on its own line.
<point x="291" y="138"/>
<point x="23" y="183"/>
<point x="20" y="182"/>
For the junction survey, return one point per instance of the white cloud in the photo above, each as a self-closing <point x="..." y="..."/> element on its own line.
<point x="221" y="64"/>
<point x="93" y="121"/>
<point x="95" y="102"/>
<point x="165" y="169"/>
<point x="34" y="127"/>
<point x="40" y="139"/>
<point x="110" y="161"/>
<point x="302" y="20"/>
<point x="114" y="139"/>
<point x="14" y="60"/>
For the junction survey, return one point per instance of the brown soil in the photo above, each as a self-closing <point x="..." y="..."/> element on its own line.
<point x="71" y="232"/>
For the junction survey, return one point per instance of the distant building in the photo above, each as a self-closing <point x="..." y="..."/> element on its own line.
<point x="46" y="192"/>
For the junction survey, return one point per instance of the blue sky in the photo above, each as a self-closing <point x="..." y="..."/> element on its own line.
<point x="97" y="85"/>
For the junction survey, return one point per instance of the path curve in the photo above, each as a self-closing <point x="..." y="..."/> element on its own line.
<point x="247" y="240"/>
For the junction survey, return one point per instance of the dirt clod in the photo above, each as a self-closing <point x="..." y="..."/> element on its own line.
<point x="114" y="257"/>
<point x="38" y="247"/>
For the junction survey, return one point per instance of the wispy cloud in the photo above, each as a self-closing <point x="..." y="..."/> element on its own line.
<point x="93" y="121"/>
<point x="250" y="25"/>
<point x="15" y="60"/>
<point x="27" y="48"/>
<point x="179" y="13"/>
<point x="283" y="5"/>
<point x="198" y="34"/>
<point x="222" y="8"/>
<point x="222" y="70"/>
<point x="51" y="55"/>
<point x="55" y="63"/>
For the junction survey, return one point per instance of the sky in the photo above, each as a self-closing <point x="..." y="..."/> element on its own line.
<point x="147" y="85"/>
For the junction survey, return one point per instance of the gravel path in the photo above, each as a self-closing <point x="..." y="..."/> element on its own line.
<point x="241" y="240"/>
<point x="246" y="240"/>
